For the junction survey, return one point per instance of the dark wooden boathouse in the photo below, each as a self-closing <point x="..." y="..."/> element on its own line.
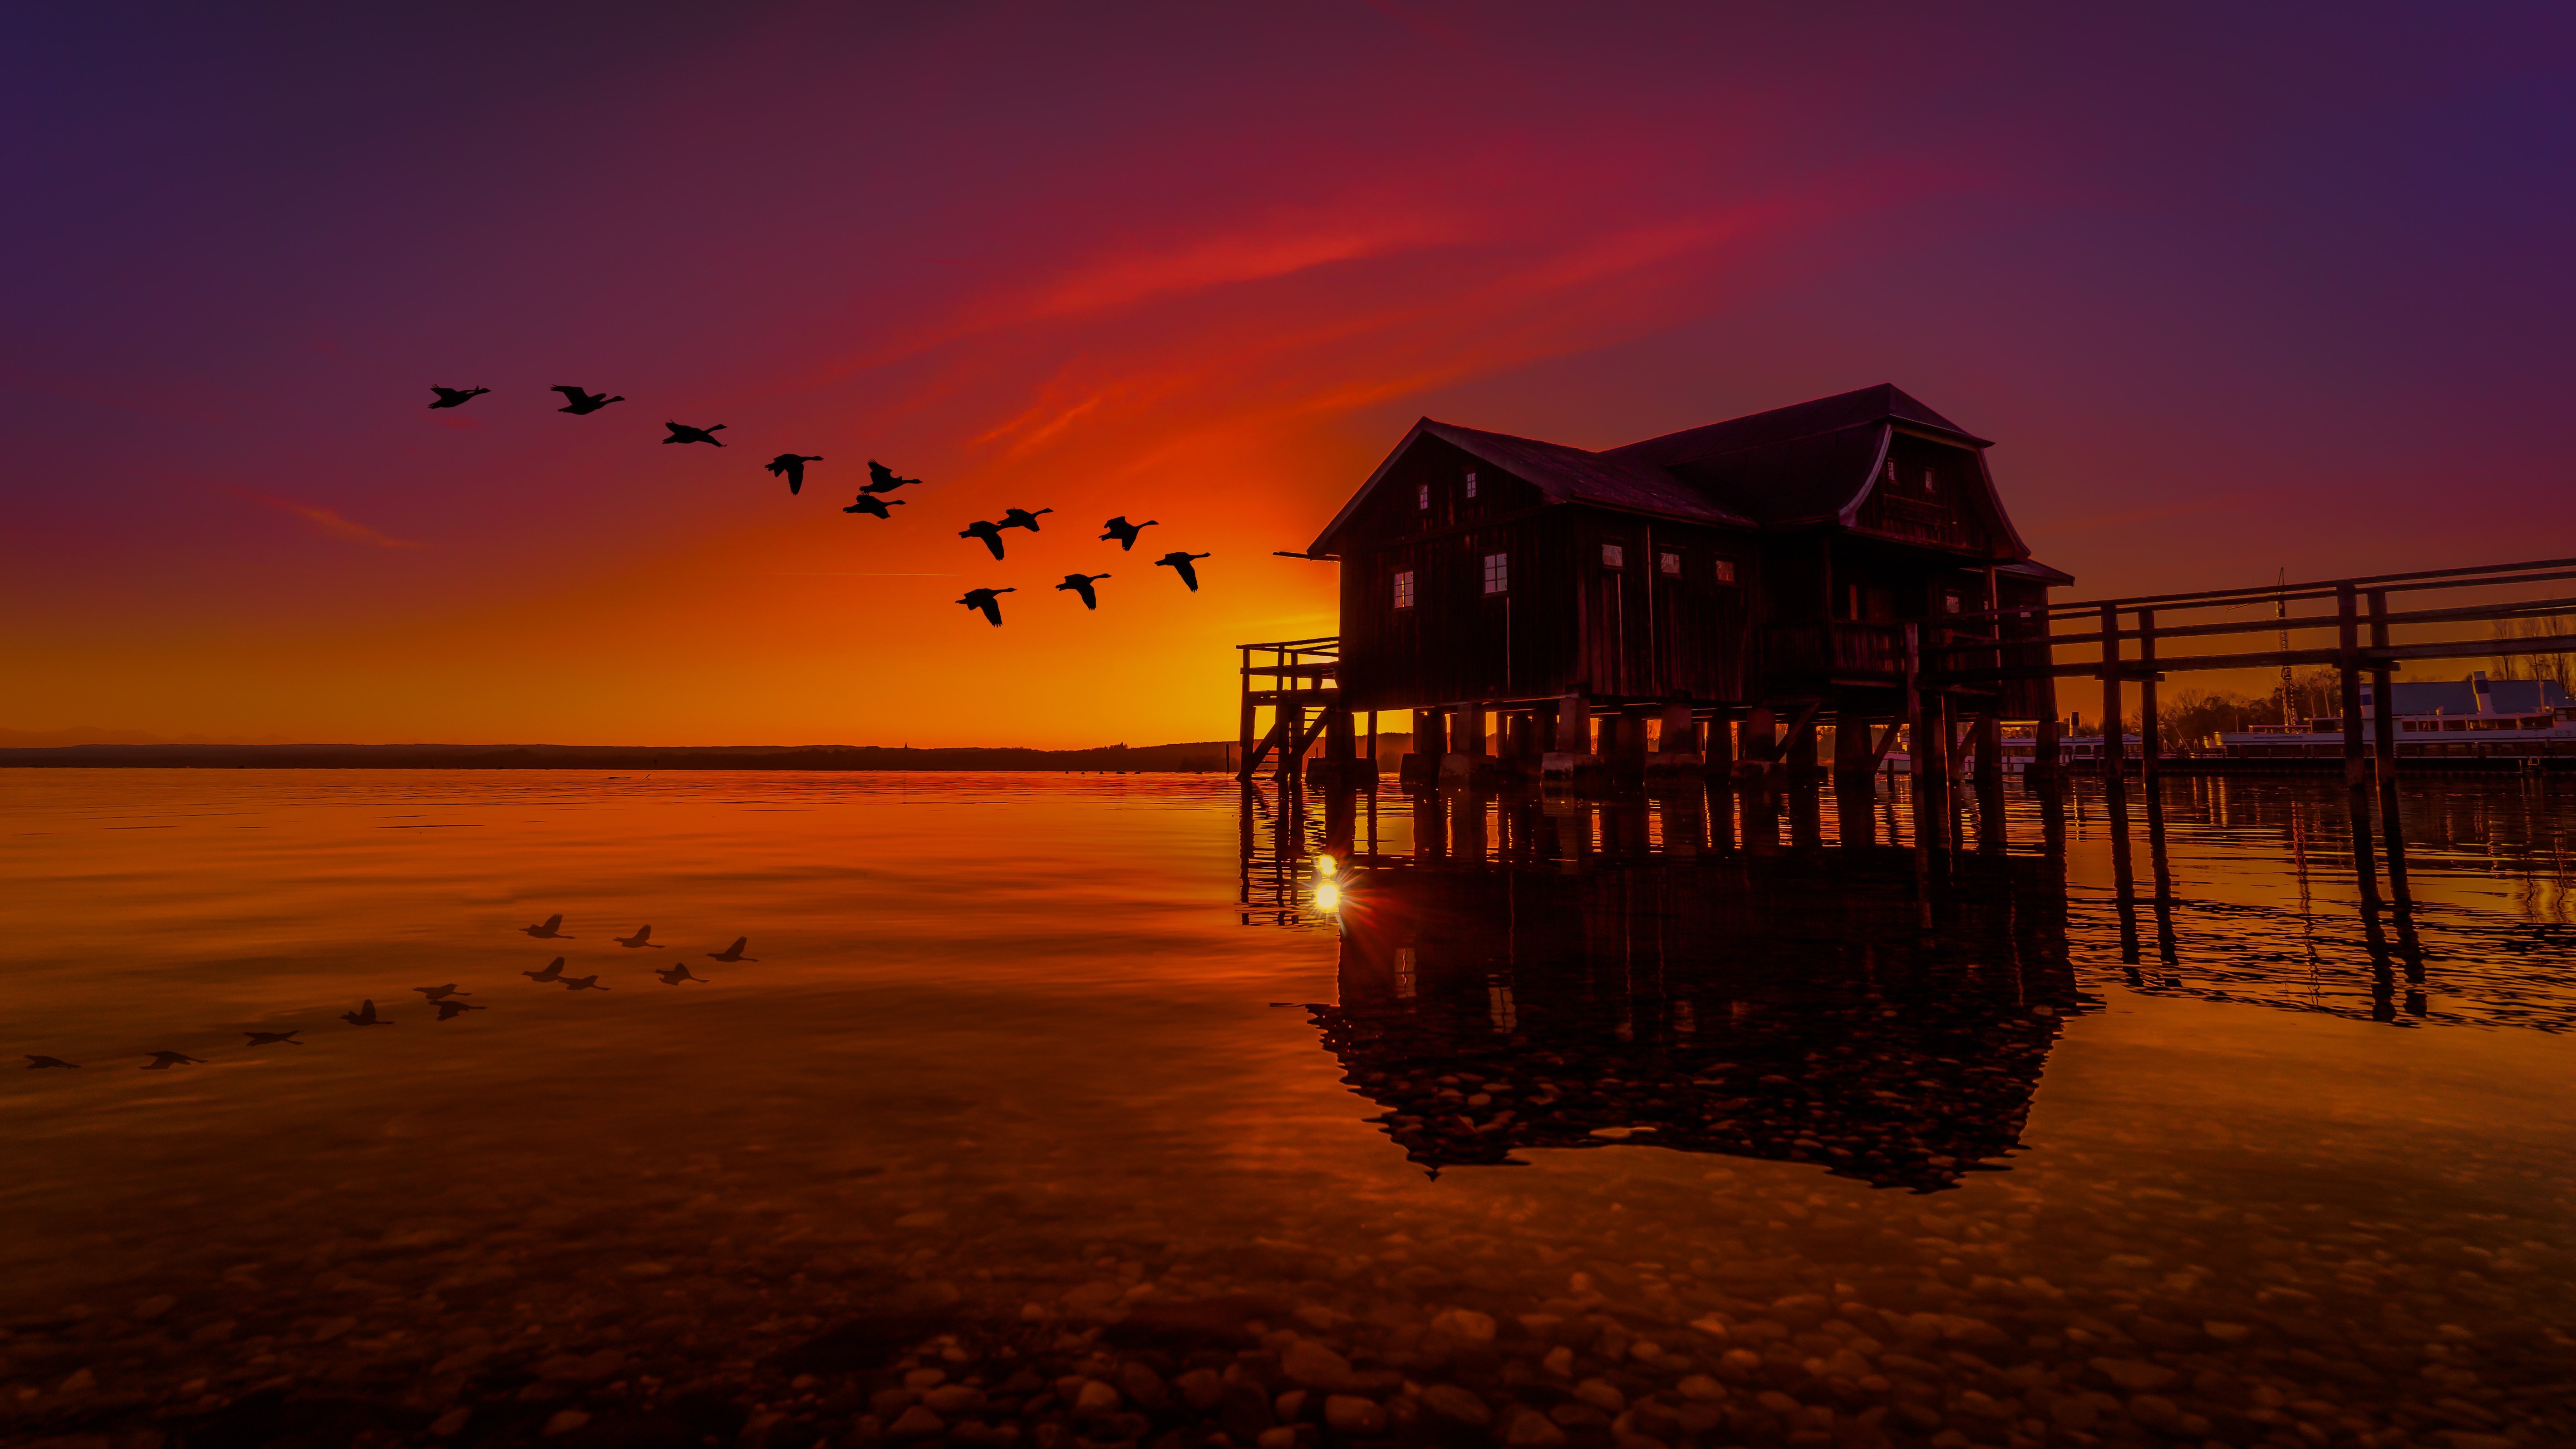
<point x="1725" y="590"/>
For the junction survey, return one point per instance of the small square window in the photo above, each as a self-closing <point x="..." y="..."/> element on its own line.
<point x="1613" y="556"/>
<point x="1726" y="571"/>
<point x="1471" y="485"/>
<point x="1404" y="589"/>
<point x="1498" y="572"/>
<point x="1670" y="563"/>
<point x="1422" y="497"/>
<point x="1949" y="603"/>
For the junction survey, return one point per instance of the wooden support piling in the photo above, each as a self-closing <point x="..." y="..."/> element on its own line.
<point x="2150" y="731"/>
<point x="2356" y="765"/>
<point x="2115" y="749"/>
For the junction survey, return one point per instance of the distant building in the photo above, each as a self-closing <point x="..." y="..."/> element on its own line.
<point x="2470" y="717"/>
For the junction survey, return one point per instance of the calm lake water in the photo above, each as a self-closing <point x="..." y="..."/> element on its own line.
<point x="1060" y="1110"/>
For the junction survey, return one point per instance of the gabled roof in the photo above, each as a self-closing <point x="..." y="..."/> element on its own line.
<point x="1562" y="474"/>
<point x="1809" y="463"/>
<point x="1858" y="409"/>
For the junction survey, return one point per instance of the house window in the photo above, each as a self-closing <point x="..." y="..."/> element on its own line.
<point x="1613" y="556"/>
<point x="1422" y="497"/>
<point x="1471" y="485"/>
<point x="1949" y="603"/>
<point x="1404" y="589"/>
<point x="1498" y="572"/>
<point x="1670" y="563"/>
<point x="1931" y="484"/>
<point x="1726" y="571"/>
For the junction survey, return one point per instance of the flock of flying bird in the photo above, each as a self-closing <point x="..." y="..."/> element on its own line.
<point x="872" y="500"/>
<point x="444" y="998"/>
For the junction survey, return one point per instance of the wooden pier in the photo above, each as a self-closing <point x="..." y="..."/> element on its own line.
<point x="1939" y="684"/>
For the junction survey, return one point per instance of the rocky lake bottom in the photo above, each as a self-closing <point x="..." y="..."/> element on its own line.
<point x="1039" y="1112"/>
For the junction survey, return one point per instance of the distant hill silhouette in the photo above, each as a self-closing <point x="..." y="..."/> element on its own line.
<point x="1206" y="756"/>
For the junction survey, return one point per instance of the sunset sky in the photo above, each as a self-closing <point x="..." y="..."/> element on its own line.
<point x="2235" y="288"/>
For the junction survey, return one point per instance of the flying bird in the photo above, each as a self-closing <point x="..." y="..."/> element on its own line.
<point x="553" y="971"/>
<point x="643" y="937"/>
<point x="791" y="466"/>
<point x="991" y="533"/>
<point x="578" y="402"/>
<point x="164" y="1061"/>
<point x="551" y="930"/>
<point x="882" y="479"/>
<point x="733" y="953"/>
<point x="450" y="397"/>
<point x="988" y="600"/>
<point x="683" y="433"/>
<point x="441" y="993"/>
<point x="36" y="1063"/>
<point x="1081" y="584"/>
<point x="678" y="974"/>
<point x="365" y="1015"/>
<point x="870" y="503"/>
<point x="448" y="1010"/>
<point x="1125" y="532"/>
<point x="583" y="983"/>
<point x="1179" y="563"/>
<point x="271" y="1038"/>
<point x="1022" y="518"/>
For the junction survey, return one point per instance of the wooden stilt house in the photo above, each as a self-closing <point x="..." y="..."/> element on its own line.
<point x="1763" y="575"/>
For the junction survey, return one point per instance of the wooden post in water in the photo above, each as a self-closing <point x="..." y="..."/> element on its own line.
<point x="2045" y="750"/>
<point x="2356" y="765"/>
<point x="2150" y="734"/>
<point x="1372" y="754"/>
<point x="1680" y="730"/>
<point x="1851" y="745"/>
<point x="2114" y="749"/>
<point x="1990" y="751"/>
<point x="1243" y="760"/>
<point x="1760" y="747"/>
<point x="2383" y="722"/>
<point x="1572" y="720"/>
<point x="1717" y="746"/>
<point x="2348" y="664"/>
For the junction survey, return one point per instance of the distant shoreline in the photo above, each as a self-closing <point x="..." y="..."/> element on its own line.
<point x="1209" y="756"/>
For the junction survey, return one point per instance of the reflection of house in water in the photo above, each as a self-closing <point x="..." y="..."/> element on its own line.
<point x="1828" y="1006"/>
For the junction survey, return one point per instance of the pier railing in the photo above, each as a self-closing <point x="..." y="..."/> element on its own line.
<point x="1299" y="682"/>
<point x="2143" y="638"/>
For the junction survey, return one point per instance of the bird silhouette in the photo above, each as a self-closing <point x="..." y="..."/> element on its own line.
<point x="870" y="503"/>
<point x="584" y="983"/>
<point x="678" y="974"/>
<point x="643" y="937"/>
<point x="550" y="930"/>
<point x="578" y="402"/>
<point x="988" y="600"/>
<point x="1125" y="532"/>
<point x="1179" y="563"/>
<point x="455" y="397"/>
<point x="365" y="1015"/>
<point x="791" y="466"/>
<point x="164" y="1061"/>
<point x="1022" y="518"/>
<point x="441" y="993"/>
<point x="448" y="1010"/>
<point x="272" y="1038"/>
<point x="37" y="1063"/>
<point x="882" y="479"/>
<point x="683" y="433"/>
<point x="991" y="533"/>
<point x="553" y="971"/>
<point x="1081" y="584"/>
<point x="733" y="953"/>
